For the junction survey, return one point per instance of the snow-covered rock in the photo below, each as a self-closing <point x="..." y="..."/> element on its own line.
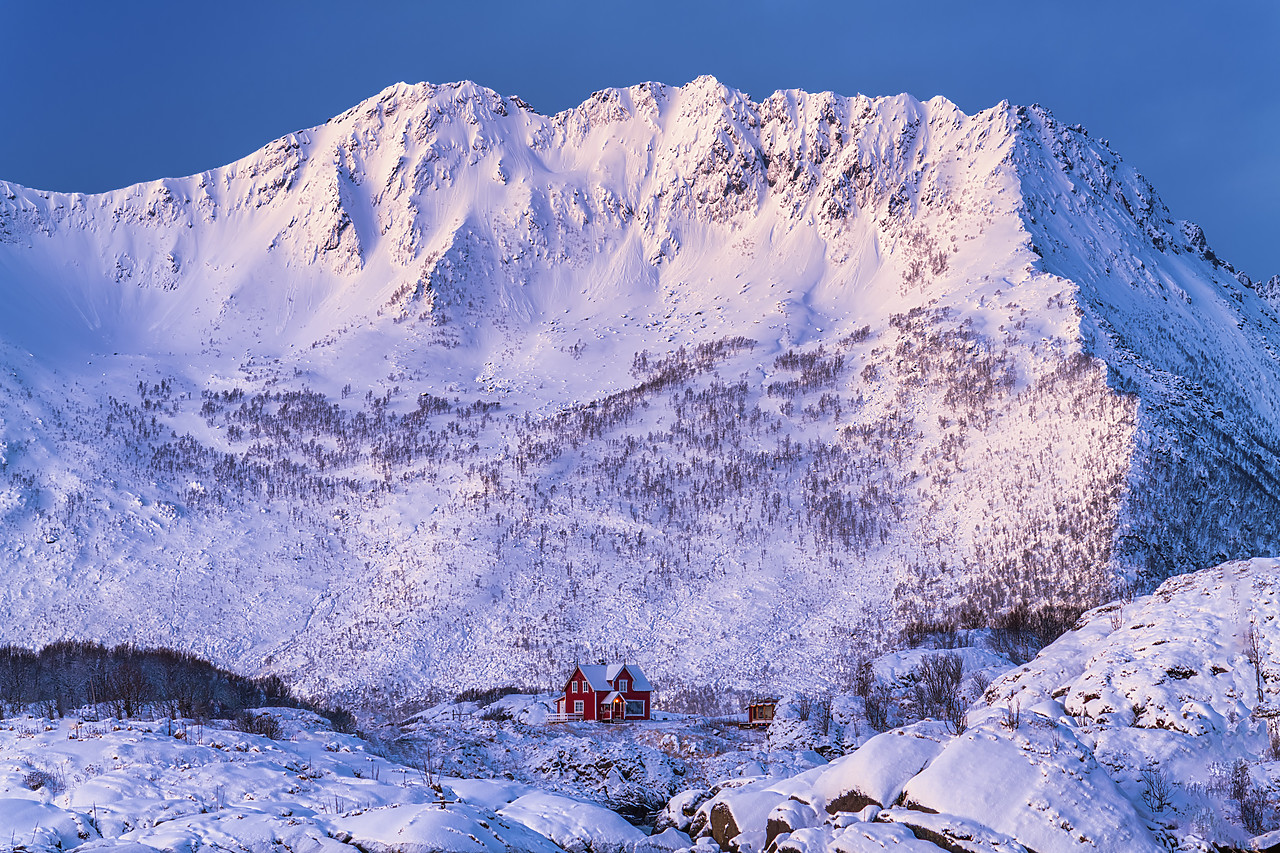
<point x="138" y="786"/>
<point x="576" y="826"/>
<point x="953" y="833"/>
<point x="877" y="771"/>
<point x="435" y="828"/>
<point x="860" y="837"/>
<point x="738" y="811"/>
<point x="43" y="826"/>
<point x="1035" y="784"/>
<point x="1199" y="653"/>
<point x="1150" y="726"/>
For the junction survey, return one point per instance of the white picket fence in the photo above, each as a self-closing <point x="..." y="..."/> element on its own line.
<point x="564" y="718"/>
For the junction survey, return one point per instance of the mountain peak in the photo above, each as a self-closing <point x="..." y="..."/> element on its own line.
<point x="781" y="361"/>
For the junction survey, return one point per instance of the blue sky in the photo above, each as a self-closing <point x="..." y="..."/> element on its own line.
<point x="95" y="96"/>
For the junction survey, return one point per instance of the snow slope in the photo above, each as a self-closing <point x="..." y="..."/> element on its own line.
<point x="1149" y="726"/>
<point x="145" y="786"/>
<point x="446" y="392"/>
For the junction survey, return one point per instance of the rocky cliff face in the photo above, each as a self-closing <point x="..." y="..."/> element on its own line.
<point x="447" y="392"/>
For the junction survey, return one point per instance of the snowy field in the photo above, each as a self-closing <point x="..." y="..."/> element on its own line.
<point x="138" y="785"/>
<point x="1149" y="727"/>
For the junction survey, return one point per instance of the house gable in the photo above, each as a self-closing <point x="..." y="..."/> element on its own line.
<point x="600" y="690"/>
<point x="636" y="680"/>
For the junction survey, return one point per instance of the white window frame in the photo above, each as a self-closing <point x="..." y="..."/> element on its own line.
<point x="622" y="685"/>
<point x="575" y="687"/>
<point x="577" y="706"/>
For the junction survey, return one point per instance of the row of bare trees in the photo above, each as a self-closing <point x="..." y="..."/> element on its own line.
<point x="127" y="681"/>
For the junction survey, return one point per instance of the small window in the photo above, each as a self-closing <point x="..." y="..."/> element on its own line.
<point x="575" y="687"/>
<point x="622" y="685"/>
<point x="577" y="707"/>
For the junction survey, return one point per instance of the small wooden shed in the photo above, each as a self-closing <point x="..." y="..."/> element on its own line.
<point x="760" y="711"/>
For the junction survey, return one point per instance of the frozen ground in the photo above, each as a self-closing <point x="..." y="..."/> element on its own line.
<point x="184" y="787"/>
<point x="1148" y="727"/>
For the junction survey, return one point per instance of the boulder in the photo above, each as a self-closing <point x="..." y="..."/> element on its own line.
<point x="735" y="811"/>
<point x="787" y="817"/>
<point x="1037" y="784"/>
<point x="876" y="773"/>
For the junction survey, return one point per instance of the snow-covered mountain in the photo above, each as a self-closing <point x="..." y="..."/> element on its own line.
<point x="447" y="392"/>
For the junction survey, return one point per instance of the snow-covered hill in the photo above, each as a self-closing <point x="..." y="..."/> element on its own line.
<point x="447" y="392"/>
<point x="1150" y="726"/>
<point x="149" y="786"/>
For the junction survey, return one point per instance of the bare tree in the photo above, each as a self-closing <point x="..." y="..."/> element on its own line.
<point x="822" y="714"/>
<point x="1157" y="790"/>
<point x="876" y="706"/>
<point x="1249" y="796"/>
<point x="1253" y="653"/>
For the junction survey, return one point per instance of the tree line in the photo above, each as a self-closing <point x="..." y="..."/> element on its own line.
<point x="77" y="676"/>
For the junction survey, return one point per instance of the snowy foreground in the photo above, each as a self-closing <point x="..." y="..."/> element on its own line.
<point x="1145" y="728"/>
<point x="92" y="786"/>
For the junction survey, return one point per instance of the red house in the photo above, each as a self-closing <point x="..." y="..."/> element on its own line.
<point x="605" y="693"/>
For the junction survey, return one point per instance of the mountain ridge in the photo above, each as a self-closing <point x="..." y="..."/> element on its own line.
<point x="963" y="362"/>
